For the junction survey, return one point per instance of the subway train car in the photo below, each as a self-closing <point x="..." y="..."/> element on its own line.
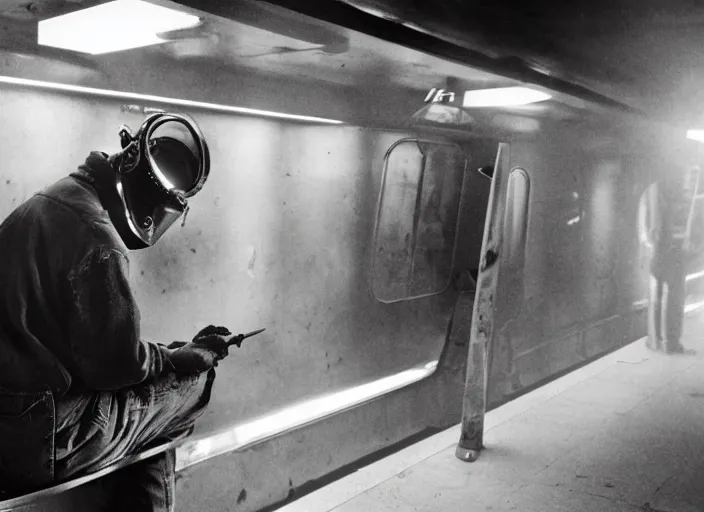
<point x="344" y="212"/>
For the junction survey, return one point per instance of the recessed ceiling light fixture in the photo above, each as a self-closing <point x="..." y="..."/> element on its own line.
<point x="503" y="97"/>
<point x="113" y="26"/>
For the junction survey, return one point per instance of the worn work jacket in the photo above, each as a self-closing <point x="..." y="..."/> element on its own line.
<point x="68" y="318"/>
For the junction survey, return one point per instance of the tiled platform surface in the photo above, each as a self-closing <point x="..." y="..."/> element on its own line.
<point x="625" y="433"/>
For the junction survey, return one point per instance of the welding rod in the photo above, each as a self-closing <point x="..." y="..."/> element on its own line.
<point x="237" y="339"/>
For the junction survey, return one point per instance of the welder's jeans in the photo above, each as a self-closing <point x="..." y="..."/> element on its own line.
<point x="90" y="431"/>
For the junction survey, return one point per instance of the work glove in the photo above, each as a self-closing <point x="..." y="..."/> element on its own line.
<point x="203" y="353"/>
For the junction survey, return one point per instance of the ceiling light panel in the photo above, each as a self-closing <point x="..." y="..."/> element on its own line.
<point x="113" y="26"/>
<point x="503" y="97"/>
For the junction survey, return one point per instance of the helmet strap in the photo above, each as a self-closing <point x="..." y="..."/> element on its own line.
<point x="185" y="214"/>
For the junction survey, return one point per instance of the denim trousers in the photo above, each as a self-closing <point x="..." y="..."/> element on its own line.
<point x="45" y="440"/>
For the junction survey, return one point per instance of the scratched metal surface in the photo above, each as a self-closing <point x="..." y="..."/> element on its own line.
<point x="279" y="238"/>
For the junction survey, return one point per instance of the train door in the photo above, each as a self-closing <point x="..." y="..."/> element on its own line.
<point x="429" y="227"/>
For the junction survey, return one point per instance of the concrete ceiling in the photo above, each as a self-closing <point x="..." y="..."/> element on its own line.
<point x="252" y="37"/>
<point x="647" y="54"/>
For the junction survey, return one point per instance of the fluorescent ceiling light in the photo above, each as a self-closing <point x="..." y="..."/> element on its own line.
<point x="111" y="27"/>
<point x="697" y="135"/>
<point x="106" y="93"/>
<point x="503" y="97"/>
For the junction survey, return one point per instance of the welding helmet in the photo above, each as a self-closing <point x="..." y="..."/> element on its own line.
<point x="161" y="166"/>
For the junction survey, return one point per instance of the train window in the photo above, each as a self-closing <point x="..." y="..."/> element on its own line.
<point x="695" y="228"/>
<point x="515" y="231"/>
<point x="515" y="224"/>
<point x="417" y="219"/>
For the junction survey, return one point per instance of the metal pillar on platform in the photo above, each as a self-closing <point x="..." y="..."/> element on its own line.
<point x="475" y="391"/>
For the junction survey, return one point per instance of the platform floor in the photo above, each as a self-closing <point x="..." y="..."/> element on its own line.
<point x="625" y="433"/>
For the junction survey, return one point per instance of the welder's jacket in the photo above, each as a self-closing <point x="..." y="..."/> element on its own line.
<point x="68" y="318"/>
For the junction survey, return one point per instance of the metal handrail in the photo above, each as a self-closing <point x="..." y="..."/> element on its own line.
<point x="26" y="499"/>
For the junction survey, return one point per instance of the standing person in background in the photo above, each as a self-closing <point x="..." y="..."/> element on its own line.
<point x="79" y="388"/>
<point x="665" y="219"/>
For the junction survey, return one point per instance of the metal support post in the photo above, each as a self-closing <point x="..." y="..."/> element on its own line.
<point x="475" y="391"/>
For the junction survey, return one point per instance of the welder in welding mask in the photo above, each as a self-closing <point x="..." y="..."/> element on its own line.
<point x="70" y="327"/>
<point x="161" y="166"/>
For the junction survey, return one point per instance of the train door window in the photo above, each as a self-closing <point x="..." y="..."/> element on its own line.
<point x="516" y="216"/>
<point x="417" y="219"/>
<point x="515" y="232"/>
<point x="696" y="223"/>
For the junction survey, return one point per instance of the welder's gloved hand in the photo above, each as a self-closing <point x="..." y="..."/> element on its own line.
<point x="192" y="359"/>
<point x="215" y="339"/>
<point x="207" y="348"/>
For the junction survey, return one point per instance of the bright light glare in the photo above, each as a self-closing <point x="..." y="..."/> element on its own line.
<point x="503" y="97"/>
<point x="693" y="307"/>
<point x="696" y="275"/>
<point x="164" y="180"/>
<point x="111" y="27"/>
<point x="106" y="93"/>
<point x="295" y="416"/>
<point x="697" y="135"/>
